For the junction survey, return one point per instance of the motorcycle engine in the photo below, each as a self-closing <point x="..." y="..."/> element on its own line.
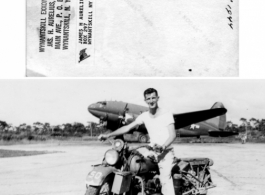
<point x="153" y="186"/>
<point x="139" y="164"/>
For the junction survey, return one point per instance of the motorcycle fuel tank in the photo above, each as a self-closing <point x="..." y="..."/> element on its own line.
<point x="140" y="163"/>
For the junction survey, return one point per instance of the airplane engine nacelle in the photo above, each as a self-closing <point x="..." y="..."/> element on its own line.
<point x="112" y="117"/>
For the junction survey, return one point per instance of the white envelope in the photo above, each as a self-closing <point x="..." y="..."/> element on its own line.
<point x="131" y="38"/>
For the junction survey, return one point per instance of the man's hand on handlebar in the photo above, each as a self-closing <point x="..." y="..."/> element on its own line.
<point x="103" y="137"/>
<point x="149" y="147"/>
<point x="159" y="149"/>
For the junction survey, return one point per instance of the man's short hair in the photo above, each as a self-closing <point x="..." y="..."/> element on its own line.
<point x="149" y="91"/>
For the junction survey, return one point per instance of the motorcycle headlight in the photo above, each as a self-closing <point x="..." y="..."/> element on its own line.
<point x="111" y="157"/>
<point x="118" y="145"/>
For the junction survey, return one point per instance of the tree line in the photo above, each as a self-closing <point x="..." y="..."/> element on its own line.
<point x="252" y="124"/>
<point x="254" y="128"/>
<point x="42" y="131"/>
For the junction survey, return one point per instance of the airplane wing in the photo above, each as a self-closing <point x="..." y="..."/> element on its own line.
<point x="186" y="119"/>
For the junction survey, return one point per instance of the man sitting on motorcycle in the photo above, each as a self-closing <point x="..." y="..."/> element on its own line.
<point x="160" y="126"/>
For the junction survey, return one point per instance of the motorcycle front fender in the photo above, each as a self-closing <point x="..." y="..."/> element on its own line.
<point x="98" y="175"/>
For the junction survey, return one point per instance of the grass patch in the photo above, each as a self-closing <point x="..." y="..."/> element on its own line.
<point x="16" y="153"/>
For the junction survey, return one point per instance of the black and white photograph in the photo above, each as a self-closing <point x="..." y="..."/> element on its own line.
<point x="132" y="97"/>
<point x="132" y="136"/>
<point x="132" y="38"/>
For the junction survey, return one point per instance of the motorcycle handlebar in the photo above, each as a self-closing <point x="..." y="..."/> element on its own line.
<point x="144" y="146"/>
<point x="155" y="148"/>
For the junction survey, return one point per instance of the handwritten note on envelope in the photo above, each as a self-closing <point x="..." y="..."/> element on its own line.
<point x="129" y="38"/>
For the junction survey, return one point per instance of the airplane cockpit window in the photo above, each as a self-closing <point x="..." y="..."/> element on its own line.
<point x="102" y="104"/>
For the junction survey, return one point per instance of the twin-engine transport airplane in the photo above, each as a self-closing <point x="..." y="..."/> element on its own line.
<point x="114" y="114"/>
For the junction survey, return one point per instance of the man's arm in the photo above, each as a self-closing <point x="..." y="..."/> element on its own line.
<point x="172" y="135"/>
<point x="120" y="131"/>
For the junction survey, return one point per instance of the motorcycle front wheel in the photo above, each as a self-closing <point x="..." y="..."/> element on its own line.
<point x="104" y="189"/>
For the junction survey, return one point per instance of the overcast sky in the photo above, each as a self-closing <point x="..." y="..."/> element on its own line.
<point x="66" y="101"/>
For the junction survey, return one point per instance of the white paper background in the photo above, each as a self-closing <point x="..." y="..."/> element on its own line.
<point x="143" y="38"/>
<point x="252" y="42"/>
<point x="166" y="38"/>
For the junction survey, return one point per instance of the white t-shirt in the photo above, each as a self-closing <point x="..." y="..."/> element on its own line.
<point x="156" y="125"/>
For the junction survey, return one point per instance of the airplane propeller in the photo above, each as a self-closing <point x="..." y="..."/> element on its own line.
<point x="122" y="116"/>
<point x="103" y="121"/>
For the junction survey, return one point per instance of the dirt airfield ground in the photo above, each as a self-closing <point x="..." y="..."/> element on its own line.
<point x="238" y="169"/>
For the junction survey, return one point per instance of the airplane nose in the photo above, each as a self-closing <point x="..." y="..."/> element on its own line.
<point x="92" y="108"/>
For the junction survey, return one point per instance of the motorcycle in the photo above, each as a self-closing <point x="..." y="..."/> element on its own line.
<point x="126" y="170"/>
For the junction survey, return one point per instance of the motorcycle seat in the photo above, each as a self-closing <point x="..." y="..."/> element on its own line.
<point x="197" y="161"/>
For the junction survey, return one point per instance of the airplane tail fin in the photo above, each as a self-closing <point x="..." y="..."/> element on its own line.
<point x="219" y="121"/>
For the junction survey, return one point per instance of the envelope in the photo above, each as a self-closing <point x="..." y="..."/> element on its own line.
<point x="132" y="38"/>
